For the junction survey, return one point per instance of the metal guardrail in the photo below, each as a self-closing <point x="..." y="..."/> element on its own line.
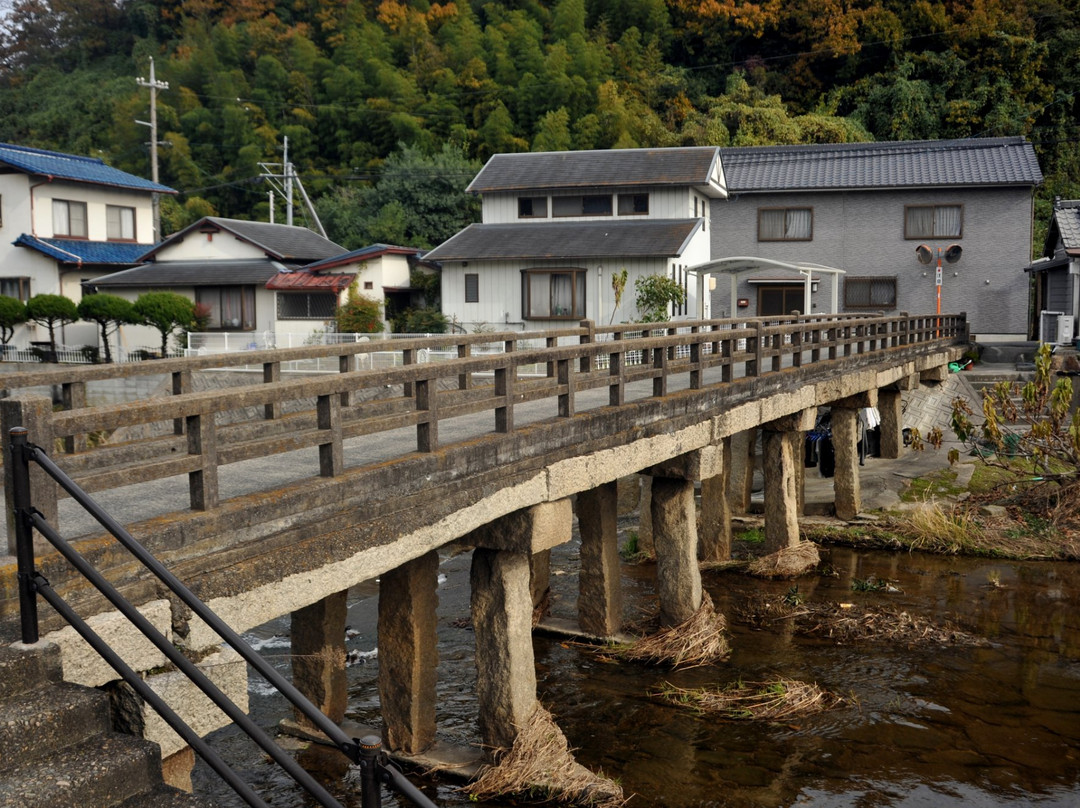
<point x="366" y="752"/>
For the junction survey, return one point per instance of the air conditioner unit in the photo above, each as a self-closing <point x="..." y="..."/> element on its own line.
<point x="1055" y="327"/>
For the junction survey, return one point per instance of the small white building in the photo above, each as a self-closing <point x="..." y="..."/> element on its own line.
<point x="557" y="226"/>
<point x="66" y="220"/>
<point x="225" y="265"/>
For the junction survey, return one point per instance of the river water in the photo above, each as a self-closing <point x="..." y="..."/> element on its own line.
<point x="926" y="726"/>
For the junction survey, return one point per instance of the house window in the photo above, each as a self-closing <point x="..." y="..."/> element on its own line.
<point x="588" y="205"/>
<point x="18" y="288"/>
<point x="870" y="293"/>
<point x="69" y="218"/>
<point x="306" y="305"/>
<point x="635" y="204"/>
<point x="933" y="221"/>
<point x="785" y="224"/>
<point x="369" y="284"/>
<point x="553" y="294"/>
<point x="472" y="287"/>
<point x="532" y="207"/>
<point x="231" y="308"/>
<point x="119" y="223"/>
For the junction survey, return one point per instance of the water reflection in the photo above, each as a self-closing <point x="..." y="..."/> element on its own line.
<point x="928" y="725"/>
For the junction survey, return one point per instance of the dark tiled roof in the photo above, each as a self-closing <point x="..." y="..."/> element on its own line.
<point x="73" y="168"/>
<point x="1067" y="223"/>
<point x="593" y="169"/>
<point x="303" y="280"/>
<point x="363" y="254"/>
<point x="282" y="242"/>
<point x="644" y="238"/>
<point x="975" y="161"/>
<point x="164" y="274"/>
<point x="78" y="251"/>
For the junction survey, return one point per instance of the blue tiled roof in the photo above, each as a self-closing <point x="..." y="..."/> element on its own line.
<point x="901" y="164"/>
<point x="74" y="168"/>
<point x="75" y="251"/>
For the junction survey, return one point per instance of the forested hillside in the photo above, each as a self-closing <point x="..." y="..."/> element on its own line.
<point x="390" y="107"/>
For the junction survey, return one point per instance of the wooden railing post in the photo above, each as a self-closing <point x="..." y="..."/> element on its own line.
<point x="727" y="348"/>
<point x="754" y="366"/>
<point x="331" y="452"/>
<point x="427" y="430"/>
<point x="74" y="398"/>
<point x="344" y="366"/>
<point x="695" y="361"/>
<point x="587" y="338"/>
<point x="566" y="388"/>
<point x="33" y="413"/>
<point x="504" y="390"/>
<point x="181" y="384"/>
<point x="202" y="441"/>
<point x="464" y="351"/>
<point x="408" y="357"/>
<point x="660" y="363"/>
<point x="616" y="381"/>
<point x="551" y="342"/>
<point x="271" y="375"/>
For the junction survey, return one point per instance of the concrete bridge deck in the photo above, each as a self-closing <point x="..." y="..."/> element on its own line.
<point x="272" y="498"/>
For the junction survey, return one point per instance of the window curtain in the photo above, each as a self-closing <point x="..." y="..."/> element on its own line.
<point x="771" y="225"/>
<point x="539" y="294"/>
<point x="947" y="221"/>
<point x="562" y="295"/>
<point x="920" y="222"/>
<point x="798" y="223"/>
<point x="61" y="220"/>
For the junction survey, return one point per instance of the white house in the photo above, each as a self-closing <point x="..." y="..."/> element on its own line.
<point x="225" y="265"/>
<point x="557" y="225"/>
<point x="66" y="220"/>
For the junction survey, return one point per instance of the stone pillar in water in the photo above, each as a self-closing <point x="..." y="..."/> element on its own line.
<point x="890" y="409"/>
<point x="714" y="526"/>
<point x="408" y="653"/>
<point x="502" y="610"/>
<point x="318" y="662"/>
<point x="781" y="465"/>
<point x="599" y="585"/>
<point x="678" y="579"/>
<point x="502" y="622"/>
<point x="740" y="464"/>
<point x="645" y="527"/>
<point x="540" y="583"/>
<point x="845" y="431"/>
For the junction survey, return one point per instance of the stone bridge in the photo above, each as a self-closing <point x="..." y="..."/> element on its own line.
<point x="319" y="468"/>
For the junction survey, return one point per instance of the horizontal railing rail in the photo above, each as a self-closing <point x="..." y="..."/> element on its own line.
<point x="32" y="583"/>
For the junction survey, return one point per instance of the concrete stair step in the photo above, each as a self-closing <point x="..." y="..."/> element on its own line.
<point x="101" y="772"/>
<point x="24" y="669"/>
<point x="48" y="721"/>
<point x="167" y="797"/>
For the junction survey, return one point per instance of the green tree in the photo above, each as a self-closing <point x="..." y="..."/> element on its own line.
<point x="109" y="312"/>
<point x="12" y="313"/>
<point x="165" y="311"/>
<point x="654" y="294"/>
<point x="51" y="311"/>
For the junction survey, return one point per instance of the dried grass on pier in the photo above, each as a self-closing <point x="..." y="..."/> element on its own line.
<point x="852" y="622"/>
<point x="790" y="562"/>
<point x="776" y="699"/>
<point x="699" y="640"/>
<point x="541" y="767"/>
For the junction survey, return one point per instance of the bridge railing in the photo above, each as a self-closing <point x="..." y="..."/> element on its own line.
<point x="365" y="752"/>
<point x="196" y="433"/>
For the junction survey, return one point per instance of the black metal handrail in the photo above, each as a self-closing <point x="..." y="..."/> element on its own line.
<point x="375" y="766"/>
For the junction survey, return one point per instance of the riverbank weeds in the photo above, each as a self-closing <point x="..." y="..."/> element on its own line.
<point x="777" y="699"/>
<point x="700" y="640"/>
<point x="852" y="622"/>
<point x="541" y="768"/>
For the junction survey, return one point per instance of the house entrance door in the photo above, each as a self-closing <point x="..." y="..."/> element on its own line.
<point x="775" y="301"/>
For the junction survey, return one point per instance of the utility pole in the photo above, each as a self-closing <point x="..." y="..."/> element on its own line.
<point x="282" y="178"/>
<point x="155" y="197"/>
<point x="287" y="169"/>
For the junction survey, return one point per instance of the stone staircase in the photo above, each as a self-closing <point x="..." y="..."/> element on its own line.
<point x="57" y="747"/>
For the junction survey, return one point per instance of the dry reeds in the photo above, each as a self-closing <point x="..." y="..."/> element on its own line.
<point x="776" y="699"/>
<point x="699" y="640"/>
<point x="789" y="562"/>
<point x="541" y="766"/>
<point x="938" y="529"/>
<point x="852" y="623"/>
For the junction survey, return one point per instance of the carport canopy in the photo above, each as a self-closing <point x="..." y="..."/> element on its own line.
<point x="739" y="265"/>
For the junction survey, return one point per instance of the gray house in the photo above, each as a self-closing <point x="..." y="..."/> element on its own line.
<point x="868" y="208"/>
<point x="1056" y="276"/>
<point x="875" y="219"/>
